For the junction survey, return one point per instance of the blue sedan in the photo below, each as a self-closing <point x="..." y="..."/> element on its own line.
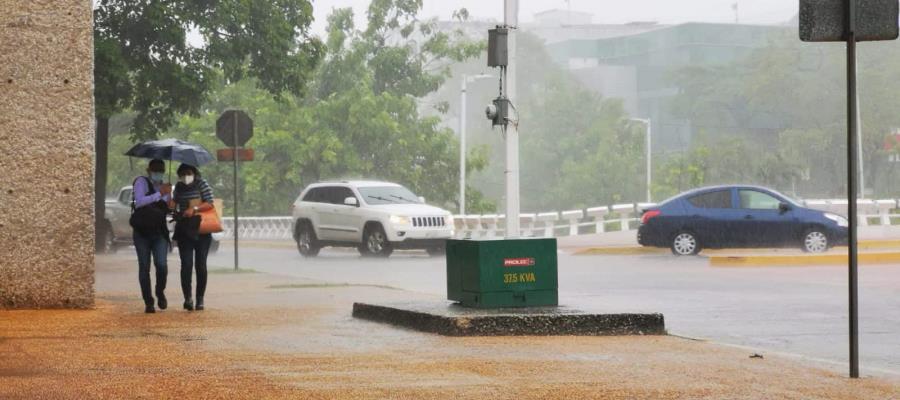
<point x="737" y="217"/>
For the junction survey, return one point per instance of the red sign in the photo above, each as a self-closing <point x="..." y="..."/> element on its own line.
<point x="228" y="154"/>
<point x="518" y="262"/>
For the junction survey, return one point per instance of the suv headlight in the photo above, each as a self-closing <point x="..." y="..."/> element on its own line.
<point x="448" y="221"/>
<point x="399" y="220"/>
<point x="841" y="221"/>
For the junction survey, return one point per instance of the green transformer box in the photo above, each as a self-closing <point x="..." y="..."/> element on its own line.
<point x="502" y="273"/>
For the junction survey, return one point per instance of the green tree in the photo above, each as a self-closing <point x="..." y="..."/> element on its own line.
<point x="788" y="100"/>
<point x="358" y="120"/>
<point x="144" y="63"/>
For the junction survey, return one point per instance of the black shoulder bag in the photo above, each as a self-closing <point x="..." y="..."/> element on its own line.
<point x="149" y="219"/>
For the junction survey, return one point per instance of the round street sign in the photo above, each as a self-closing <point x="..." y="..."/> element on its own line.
<point x="230" y="121"/>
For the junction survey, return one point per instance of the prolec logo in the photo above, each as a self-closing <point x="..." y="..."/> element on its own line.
<point x="518" y="262"/>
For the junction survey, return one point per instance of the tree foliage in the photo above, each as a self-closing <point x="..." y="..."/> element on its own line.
<point x="144" y="62"/>
<point x="359" y="120"/>
<point x="780" y="114"/>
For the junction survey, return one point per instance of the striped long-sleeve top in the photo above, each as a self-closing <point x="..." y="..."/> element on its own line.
<point x="199" y="189"/>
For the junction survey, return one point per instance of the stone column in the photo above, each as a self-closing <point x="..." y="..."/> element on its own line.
<point x="46" y="154"/>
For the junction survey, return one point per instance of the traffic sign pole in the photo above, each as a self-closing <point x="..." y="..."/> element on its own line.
<point x="235" y="194"/>
<point x="852" y="145"/>
<point x="235" y="128"/>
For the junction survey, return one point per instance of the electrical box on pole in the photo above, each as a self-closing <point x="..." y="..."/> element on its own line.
<point x="498" y="111"/>
<point x="498" y="49"/>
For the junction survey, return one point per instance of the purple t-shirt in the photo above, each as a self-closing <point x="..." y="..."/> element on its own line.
<point x="141" y="198"/>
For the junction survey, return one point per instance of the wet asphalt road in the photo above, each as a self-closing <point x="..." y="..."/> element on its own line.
<point x="796" y="310"/>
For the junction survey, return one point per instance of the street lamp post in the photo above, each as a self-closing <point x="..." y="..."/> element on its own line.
<point x="648" y="147"/>
<point x="462" y="139"/>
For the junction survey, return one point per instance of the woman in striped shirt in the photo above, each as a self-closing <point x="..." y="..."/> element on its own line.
<point x="192" y="195"/>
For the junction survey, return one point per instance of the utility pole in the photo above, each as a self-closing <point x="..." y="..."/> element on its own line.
<point x="511" y="20"/>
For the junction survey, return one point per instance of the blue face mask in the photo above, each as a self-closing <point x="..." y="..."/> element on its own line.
<point x="157" y="176"/>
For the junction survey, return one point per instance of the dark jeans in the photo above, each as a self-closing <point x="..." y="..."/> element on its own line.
<point x="158" y="247"/>
<point x="193" y="254"/>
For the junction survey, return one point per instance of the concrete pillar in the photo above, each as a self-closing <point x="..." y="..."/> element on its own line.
<point x="459" y="226"/>
<point x="526" y="224"/>
<point x="549" y="220"/>
<point x="573" y="216"/>
<point x="884" y="210"/>
<point x="624" y="211"/>
<point x="47" y="147"/>
<point x="490" y="225"/>
<point x="473" y="224"/>
<point x="866" y="208"/>
<point x="599" y="213"/>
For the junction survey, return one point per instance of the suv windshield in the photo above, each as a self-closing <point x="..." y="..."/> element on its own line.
<point x="377" y="195"/>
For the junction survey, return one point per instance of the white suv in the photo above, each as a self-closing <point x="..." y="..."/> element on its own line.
<point x="374" y="217"/>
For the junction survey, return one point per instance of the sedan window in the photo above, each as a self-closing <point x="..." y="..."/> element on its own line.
<point x="717" y="199"/>
<point x="751" y="199"/>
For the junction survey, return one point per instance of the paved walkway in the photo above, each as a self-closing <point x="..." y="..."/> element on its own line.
<point x="268" y="336"/>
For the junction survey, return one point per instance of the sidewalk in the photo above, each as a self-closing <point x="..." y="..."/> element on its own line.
<point x="265" y="336"/>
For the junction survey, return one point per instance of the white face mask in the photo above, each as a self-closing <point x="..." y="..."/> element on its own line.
<point x="188" y="179"/>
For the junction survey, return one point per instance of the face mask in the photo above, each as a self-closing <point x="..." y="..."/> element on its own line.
<point x="188" y="179"/>
<point x="157" y="176"/>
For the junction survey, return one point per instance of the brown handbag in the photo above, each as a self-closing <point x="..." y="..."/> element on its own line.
<point x="209" y="221"/>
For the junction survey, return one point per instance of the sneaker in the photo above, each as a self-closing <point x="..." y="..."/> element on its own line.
<point x="149" y="309"/>
<point x="199" y="306"/>
<point x="189" y="305"/>
<point x="162" y="302"/>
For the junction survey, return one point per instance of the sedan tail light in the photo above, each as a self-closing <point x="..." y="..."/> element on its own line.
<point x="649" y="214"/>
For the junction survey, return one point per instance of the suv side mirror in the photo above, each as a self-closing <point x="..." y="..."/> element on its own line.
<point x="783" y="207"/>
<point x="351" y="201"/>
<point x="421" y="200"/>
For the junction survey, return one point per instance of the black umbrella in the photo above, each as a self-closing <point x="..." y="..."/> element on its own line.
<point x="172" y="150"/>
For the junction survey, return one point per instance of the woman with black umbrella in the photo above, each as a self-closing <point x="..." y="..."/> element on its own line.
<point x="193" y="195"/>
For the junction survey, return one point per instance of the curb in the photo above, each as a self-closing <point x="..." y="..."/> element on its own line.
<point x="453" y="320"/>
<point x="619" y="251"/>
<point x="801" y="260"/>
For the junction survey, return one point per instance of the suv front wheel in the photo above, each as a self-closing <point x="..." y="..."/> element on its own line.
<point x="375" y="242"/>
<point x="307" y="244"/>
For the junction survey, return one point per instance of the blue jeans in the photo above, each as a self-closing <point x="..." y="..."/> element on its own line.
<point x="158" y="247"/>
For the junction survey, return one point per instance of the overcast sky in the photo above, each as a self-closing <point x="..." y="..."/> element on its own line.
<point x="604" y="11"/>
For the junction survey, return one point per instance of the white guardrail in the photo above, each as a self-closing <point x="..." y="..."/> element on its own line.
<point x="557" y="224"/>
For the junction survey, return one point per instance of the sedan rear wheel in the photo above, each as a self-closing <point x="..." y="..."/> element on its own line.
<point x="685" y="244"/>
<point x="815" y="241"/>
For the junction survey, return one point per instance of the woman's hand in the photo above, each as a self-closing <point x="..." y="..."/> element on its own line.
<point x="189" y="212"/>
